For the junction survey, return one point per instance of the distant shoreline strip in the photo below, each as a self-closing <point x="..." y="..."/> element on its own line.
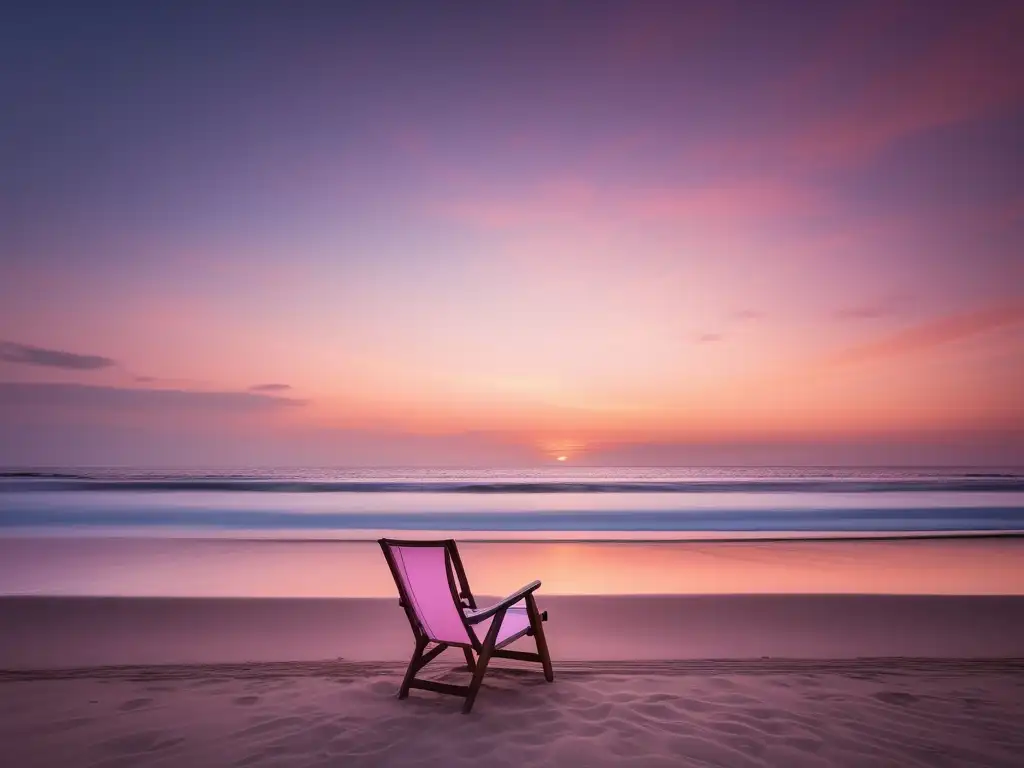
<point x="971" y="483"/>
<point x="473" y="537"/>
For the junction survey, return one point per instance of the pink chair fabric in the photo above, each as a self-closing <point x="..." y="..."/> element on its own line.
<point x="424" y="574"/>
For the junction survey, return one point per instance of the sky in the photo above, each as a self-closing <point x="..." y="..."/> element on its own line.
<point x="645" y="233"/>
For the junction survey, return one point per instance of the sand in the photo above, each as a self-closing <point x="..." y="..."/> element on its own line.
<point x="55" y="632"/>
<point x="849" y="680"/>
<point x="735" y="714"/>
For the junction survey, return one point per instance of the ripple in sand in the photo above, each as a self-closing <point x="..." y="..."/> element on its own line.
<point x="896" y="697"/>
<point x="140" y="743"/>
<point x="268" y="726"/>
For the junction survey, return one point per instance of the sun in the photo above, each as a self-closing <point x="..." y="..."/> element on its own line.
<point x="563" y="458"/>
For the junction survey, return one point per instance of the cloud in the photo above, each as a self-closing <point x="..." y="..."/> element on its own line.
<point x="736" y="200"/>
<point x="862" y="312"/>
<point x="52" y="358"/>
<point x="748" y="315"/>
<point x="168" y="383"/>
<point x="968" y="74"/>
<point x="709" y="338"/>
<point x="963" y="72"/>
<point x="19" y="395"/>
<point x="934" y="333"/>
<point x="873" y="310"/>
<point x="270" y="387"/>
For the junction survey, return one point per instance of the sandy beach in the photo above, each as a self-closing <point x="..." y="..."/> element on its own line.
<point x="224" y="653"/>
<point x="743" y="680"/>
<point x="811" y="713"/>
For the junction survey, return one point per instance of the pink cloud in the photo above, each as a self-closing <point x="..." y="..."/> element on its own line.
<point x="970" y="73"/>
<point x="737" y="201"/>
<point x="935" y="333"/>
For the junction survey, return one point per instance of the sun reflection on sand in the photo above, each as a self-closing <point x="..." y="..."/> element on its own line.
<point x="208" y="567"/>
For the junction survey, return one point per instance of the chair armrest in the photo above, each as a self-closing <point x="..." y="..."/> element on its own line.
<point x="502" y="605"/>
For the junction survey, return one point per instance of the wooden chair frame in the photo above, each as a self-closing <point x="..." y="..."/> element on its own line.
<point x="486" y="649"/>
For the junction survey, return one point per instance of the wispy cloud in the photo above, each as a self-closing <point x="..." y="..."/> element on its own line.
<point x="966" y="75"/>
<point x="270" y="387"/>
<point x="54" y="395"/>
<point x="734" y="200"/>
<point x="747" y="315"/>
<point x="862" y="312"/>
<point x="966" y="72"/>
<point x="709" y="338"/>
<point x="872" y="310"/>
<point x="26" y="354"/>
<point x="934" y="333"/>
<point x="733" y="321"/>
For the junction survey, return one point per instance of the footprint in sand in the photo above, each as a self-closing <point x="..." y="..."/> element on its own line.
<point x="246" y="701"/>
<point x="133" y="704"/>
<point x="74" y="722"/>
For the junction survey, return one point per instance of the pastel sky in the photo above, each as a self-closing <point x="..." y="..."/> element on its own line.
<point x="460" y="233"/>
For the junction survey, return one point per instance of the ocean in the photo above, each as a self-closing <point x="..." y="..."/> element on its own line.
<point x="534" y="504"/>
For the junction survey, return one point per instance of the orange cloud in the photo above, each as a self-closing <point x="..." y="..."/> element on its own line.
<point x="935" y="333"/>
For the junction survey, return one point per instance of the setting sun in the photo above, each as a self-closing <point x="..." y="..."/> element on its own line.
<point x="562" y="458"/>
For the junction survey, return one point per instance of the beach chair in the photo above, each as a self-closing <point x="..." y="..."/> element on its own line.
<point x="441" y="609"/>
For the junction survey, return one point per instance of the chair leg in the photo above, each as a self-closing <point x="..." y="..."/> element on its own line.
<point x="537" y="624"/>
<point x="470" y="661"/>
<point x="410" y="673"/>
<point x="481" y="663"/>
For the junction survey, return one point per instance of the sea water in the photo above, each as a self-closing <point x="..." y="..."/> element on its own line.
<point x="531" y="504"/>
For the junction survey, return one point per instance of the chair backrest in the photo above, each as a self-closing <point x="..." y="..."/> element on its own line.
<point x="426" y="583"/>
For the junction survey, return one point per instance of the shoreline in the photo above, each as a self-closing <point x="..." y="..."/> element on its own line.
<point x="70" y="632"/>
<point x="553" y="537"/>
